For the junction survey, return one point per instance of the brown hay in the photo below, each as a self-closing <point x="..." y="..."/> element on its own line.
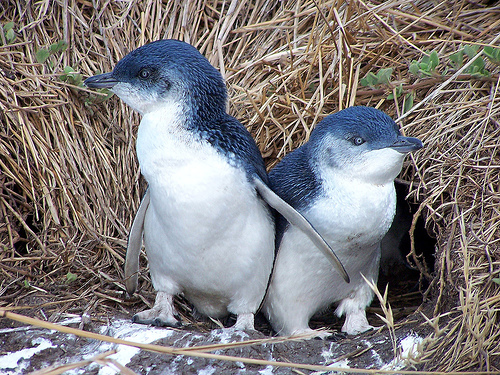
<point x="69" y="175"/>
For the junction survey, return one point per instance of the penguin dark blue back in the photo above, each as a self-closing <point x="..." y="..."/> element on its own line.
<point x="294" y="180"/>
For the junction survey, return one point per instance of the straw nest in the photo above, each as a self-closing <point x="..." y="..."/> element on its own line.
<point x="70" y="184"/>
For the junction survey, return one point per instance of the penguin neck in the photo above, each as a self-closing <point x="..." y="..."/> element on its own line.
<point x="165" y="138"/>
<point x="337" y="184"/>
<point x="169" y="116"/>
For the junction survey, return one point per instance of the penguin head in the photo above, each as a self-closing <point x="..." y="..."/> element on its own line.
<point x="165" y="72"/>
<point x="360" y="143"/>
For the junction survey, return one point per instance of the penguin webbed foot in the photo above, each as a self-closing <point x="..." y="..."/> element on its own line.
<point x="356" y="323"/>
<point x="244" y="322"/>
<point x="163" y="313"/>
<point x="156" y="321"/>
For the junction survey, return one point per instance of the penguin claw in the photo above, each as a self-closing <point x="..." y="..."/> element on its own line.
<point x="163" y="323"/>
<point x="157" y="321"/>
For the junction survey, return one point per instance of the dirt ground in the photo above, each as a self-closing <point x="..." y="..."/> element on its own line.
<point x="25" y="349"/>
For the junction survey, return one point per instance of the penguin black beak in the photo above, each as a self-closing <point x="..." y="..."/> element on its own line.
<point x="101" y="81"/>
<point x="407" y="144"/>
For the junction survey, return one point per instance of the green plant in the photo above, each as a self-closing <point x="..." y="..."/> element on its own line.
<point x="382" y="77"/>
<point x="426" y="67"/>
<point x="398" y="90"/>
<point x="8" y="32"/>
<point x="72" y="77"/>
<point x="493" y="54"/>
<point x="43" y="54"/>
<point x="408" y="103"/>
<point x="70" y="277"/>
<point x="477" y="69"/>
<point x="457" y="59"/>
<point x="100" y="96"/>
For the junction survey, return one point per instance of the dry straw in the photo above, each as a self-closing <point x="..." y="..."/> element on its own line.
<point x="69" y="176"/>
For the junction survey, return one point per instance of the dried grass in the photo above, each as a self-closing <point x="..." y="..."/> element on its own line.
<point x="69" y="175"/>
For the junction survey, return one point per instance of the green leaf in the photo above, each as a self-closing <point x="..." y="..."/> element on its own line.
<point x="414" y="69"/>
<point x="58" y="47"/>
<point x="62" y="45"/>
<point x="477" y="69"/>
<point x="54" y="48"/>
<point x="496" y="280"/>
<point x="76" y="78"/>
<point x="479" y="62"/>
<point x="71" y="76"/>
<point x="471" y="50"/>
<point x="424" y="67"/>
<point x="489" y="50"/>
<point x="493" y="53"/>
<point x="408" y="104"/>
<point x="433" y="60"/>
<point x="458" y="59"/>
<point x="108" y="93"/>
<point x="10" y="35"/>
<point x="70" y="277"/>
<point x="8" y="26"/>
<point x="42" y="55"/>
<point x="399" y="91"/>
<point x="373" y="79"/>
<point x="369" y="80"/>
<point x="384" y="75"/>
<point x="425" y="59"/>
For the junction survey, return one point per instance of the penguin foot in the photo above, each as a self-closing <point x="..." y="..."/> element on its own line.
<point x="356" y="323"/>
<point x="244" y="322"/>
<point x="157" y="321"/>
<point x="163" y="313"/>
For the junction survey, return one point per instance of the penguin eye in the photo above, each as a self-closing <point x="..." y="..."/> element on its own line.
<point x="144" y="73"/>
<point x="357" y="141"/>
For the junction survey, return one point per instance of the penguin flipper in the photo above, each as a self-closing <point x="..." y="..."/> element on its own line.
<point x="296" y="218"/>
<point x="134" y="245"/>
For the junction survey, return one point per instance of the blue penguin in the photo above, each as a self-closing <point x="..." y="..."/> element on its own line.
<point x="342" y="181"/>
<point x="207" y="228"/>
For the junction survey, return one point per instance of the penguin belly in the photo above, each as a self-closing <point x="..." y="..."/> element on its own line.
<point x="207" y="234"/>
<point x="212" y="242"/>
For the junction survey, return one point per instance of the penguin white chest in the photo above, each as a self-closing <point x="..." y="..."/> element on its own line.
<point x="191" y="183"/>
<point x="353" y="215"/>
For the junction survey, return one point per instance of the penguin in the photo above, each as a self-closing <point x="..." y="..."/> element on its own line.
<point x="342" y="181"/>
<point x="205" y="218"/>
